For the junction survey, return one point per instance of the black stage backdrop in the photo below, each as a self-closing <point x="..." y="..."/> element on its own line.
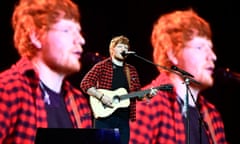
<point x="101" y="20"/>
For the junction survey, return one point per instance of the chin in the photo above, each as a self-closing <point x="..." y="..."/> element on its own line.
<point x="73" y="69"/>
<point x="77" y="68"/>
<point x="208" y="83"/>
<point x="120" y="58"/>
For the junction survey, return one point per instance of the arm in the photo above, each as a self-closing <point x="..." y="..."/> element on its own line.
<point x="94" y="92"/>
<point x="90" y="80"/>
<point x="4" y="115"/>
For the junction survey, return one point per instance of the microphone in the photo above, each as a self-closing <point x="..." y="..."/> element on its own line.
<point x="227" y="73"/>
<point x="126" y="53"/>
<point x="183" y="72"/>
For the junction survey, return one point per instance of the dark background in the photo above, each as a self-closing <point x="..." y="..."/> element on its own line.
<point x="101" y="20"/>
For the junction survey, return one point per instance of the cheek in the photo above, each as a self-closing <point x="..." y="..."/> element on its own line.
<point x="59" y="40"/>
<point x="116" y="50"/>
<point x="191" y="57"/>
<point x="59" y="45"/>
<point x="195" y="66"/>
<point x="190" y="63"/>
<point x="53" y="49"/>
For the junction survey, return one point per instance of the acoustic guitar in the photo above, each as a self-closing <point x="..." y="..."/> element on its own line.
<point x="120" y="99"/>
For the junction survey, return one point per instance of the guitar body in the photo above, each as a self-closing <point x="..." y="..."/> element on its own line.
<point x="100" y="110"/>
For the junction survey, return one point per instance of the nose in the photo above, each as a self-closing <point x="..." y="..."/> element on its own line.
<point x="79" y="39"/>
<point x="213" y="56"/>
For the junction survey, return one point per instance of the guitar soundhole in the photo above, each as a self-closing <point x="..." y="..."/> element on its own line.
<point x="116" y="99"/>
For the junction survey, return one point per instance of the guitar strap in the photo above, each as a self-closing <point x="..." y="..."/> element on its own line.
<point x="75" y="111"/>
<point x="128" y="76"/>
<point x="133" y="105"/>
<point x="210" y="126"/>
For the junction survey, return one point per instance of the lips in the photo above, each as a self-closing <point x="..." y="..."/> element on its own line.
<point x="78" y="54"/>
<point x="210" y="69"/>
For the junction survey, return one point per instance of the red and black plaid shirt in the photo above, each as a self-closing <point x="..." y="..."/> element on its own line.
<point x="160" y="121"/>
<point x="22" y="108"/>
<point x="100" y="76"/>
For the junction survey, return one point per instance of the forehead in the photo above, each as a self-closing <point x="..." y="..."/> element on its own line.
<point x="200" y="41"/>
<point x="66" y="23"/>
<point x="120" y="45"/>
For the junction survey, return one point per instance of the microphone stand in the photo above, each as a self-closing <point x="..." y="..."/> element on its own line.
<point x="201" y="121"/>
<point x="187" y="80"/>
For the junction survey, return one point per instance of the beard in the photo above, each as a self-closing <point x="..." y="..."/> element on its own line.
<point x="63" y="66"/>
<point x="122" y="59"/>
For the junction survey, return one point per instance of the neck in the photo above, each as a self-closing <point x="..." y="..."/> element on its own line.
<point x="181" y="90"/>
<point x="50" y="78"/>
<point x="117" y="62"/>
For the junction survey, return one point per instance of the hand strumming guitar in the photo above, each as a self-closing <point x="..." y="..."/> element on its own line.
<point x="106" y="100"/>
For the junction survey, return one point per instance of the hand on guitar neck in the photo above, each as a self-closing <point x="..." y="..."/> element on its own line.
<point x="153" y="92"/>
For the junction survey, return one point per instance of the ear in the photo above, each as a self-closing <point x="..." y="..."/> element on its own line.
<point x="35" y="40"/>
<point x="172" y="57"/>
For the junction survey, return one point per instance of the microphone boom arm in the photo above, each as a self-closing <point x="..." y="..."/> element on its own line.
<point x="185" y="75"/>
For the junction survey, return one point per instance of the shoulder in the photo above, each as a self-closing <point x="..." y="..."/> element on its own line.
<point x="13" y="77"/>
<point x="69" y="87"/>
<point x="106" y="61"/>
<point x="203" y="101"/>
<point x="22" y="68"/>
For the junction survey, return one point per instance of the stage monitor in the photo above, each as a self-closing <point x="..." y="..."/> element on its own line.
<point x="77" y="136"/>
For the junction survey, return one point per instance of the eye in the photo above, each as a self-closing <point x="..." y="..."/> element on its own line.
<point x="119" y="46"/>
<point x="66" y="30"/>
<point x="199" y="47"/>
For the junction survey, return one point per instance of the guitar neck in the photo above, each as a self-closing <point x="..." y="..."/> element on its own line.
<point x="141" y="93"/>
<point x="135" y="94"/>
